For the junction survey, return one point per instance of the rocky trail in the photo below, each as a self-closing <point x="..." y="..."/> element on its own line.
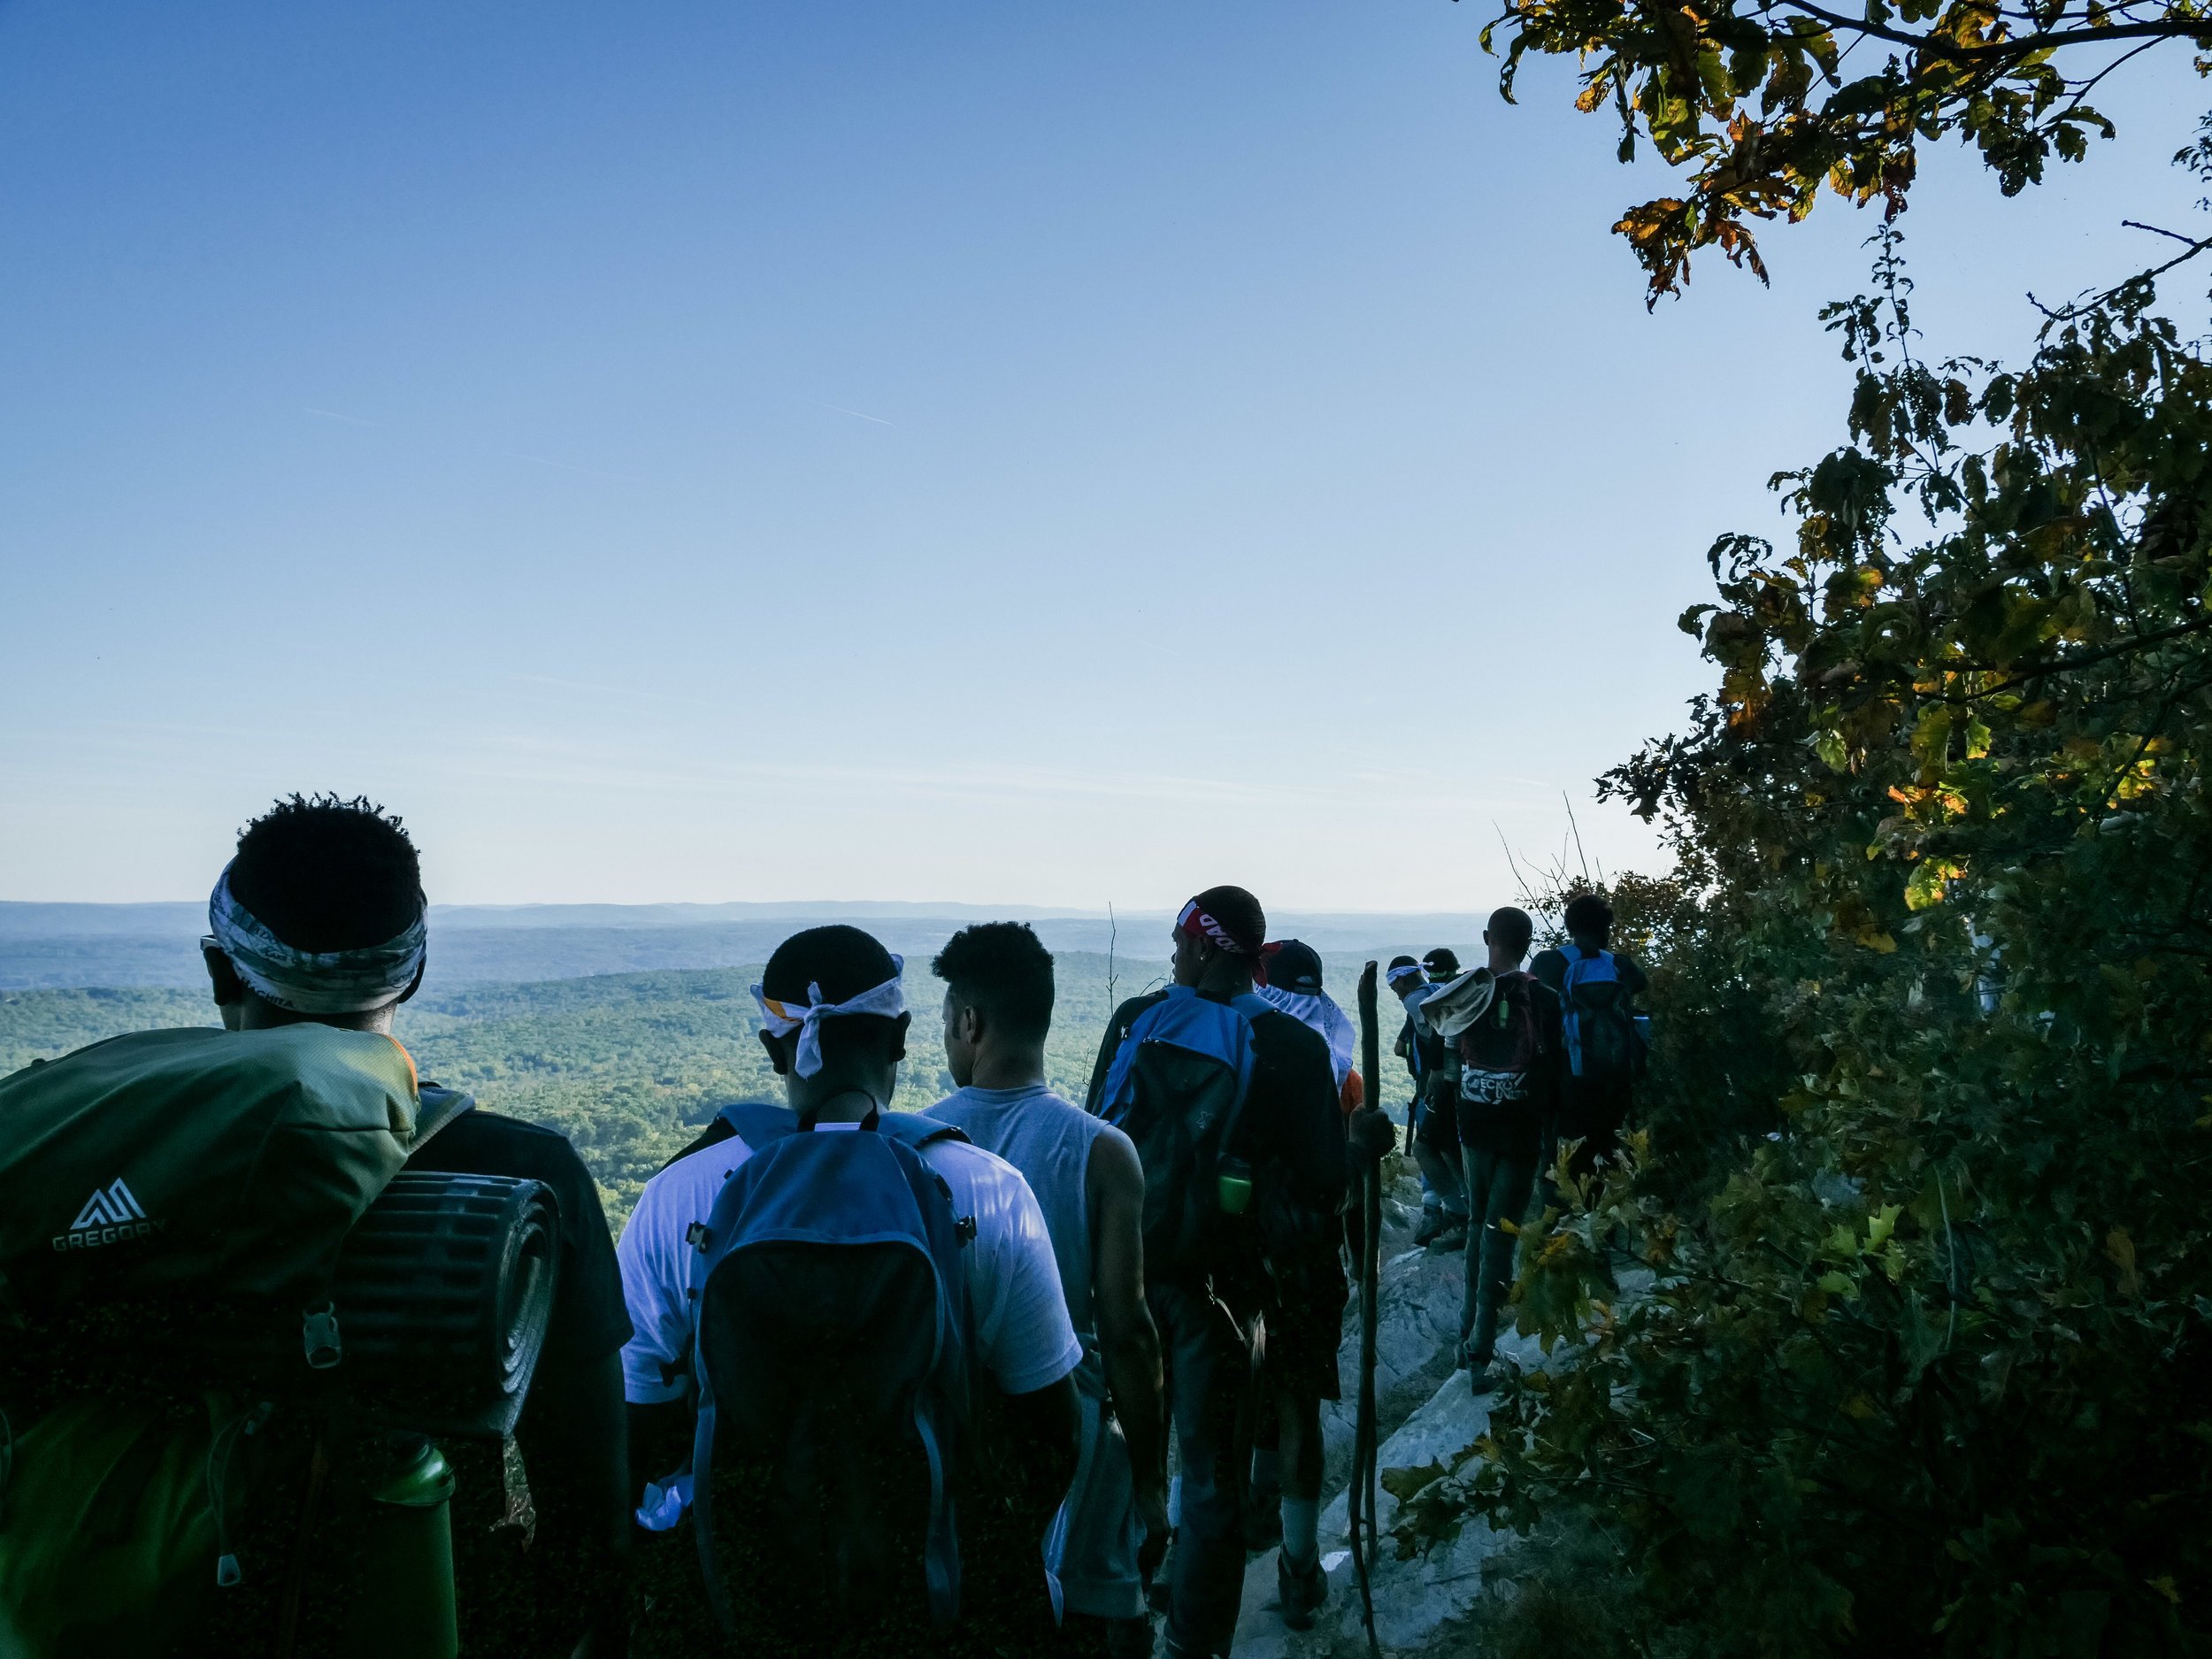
<point x="1426" y="1409"/>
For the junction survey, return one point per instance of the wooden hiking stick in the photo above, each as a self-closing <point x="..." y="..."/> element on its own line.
<point x="1359" y="1495"/>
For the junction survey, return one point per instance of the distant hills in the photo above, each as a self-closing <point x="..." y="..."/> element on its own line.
<point x="73" y="945"/>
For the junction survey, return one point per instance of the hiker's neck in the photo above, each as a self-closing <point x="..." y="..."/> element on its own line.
<point x="1226" y="975"/>
<point x="1003" y="1063"/>
<point x="845" y="1095"/>
<point x="252" y="1012"/>
<point x="1504" y="961"/>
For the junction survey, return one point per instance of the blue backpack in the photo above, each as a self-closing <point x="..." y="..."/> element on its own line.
<point x="1177" y="1089"/>
<point x="1603" y="1042"/>
<point x="831" y="1339"/>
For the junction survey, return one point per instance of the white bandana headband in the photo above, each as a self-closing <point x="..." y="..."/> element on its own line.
<point x="782" y="1018"/>
<point x="308" y="981"/>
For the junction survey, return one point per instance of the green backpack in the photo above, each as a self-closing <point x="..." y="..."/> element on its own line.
<point x="171" y="1170"/>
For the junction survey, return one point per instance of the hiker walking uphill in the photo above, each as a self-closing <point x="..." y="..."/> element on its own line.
<point x="235" y="1165"/>
<point x="862" y="1339"/>
<point x="1304" y="1319"/>
<point x="1503" y="1025"/>
<point x="1113" y="1526"/>
<point x="1597" y="991"/>
<point x="1233" y="1107"/>
<point x="1435" y="1072"/>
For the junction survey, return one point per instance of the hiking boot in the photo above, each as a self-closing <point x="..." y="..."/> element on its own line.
<point x="1302" y="1591"/>
<point x="1432" y="1224"/>
<point x="1487" y="1375"/>
<point x="1451" y="1238"/>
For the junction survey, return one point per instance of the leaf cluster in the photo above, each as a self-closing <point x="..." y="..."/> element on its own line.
<point x="1764" y="103"/>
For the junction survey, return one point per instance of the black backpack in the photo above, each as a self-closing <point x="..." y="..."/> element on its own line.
<point x="830" y="1347"/>
<point x="1177" y="1089"/>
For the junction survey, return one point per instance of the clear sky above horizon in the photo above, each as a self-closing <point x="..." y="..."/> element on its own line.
<point x="1017" y="453"/>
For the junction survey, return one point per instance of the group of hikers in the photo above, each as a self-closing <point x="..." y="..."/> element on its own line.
<point x="852" y="1380"/>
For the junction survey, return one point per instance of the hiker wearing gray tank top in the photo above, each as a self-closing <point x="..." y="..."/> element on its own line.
<point x="1110" y="1532"/>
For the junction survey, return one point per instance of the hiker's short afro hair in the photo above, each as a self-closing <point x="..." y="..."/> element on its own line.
<point x="1004" y="969"/>
<point x="843" y="961"/>
<point x="324" y="873"/>
<point x="1589" y="917"/>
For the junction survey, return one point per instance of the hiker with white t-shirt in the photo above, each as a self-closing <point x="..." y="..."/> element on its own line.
<point x="1113" y="1528"/>
<point x="834" y="1024"/>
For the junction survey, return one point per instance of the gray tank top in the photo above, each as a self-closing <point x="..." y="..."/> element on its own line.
<point x="1049" y="1140"/>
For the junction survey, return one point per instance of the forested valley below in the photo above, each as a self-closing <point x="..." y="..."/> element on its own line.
<point x="628" y="1066"/>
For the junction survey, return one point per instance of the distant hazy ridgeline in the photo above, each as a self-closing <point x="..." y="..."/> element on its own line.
<point x="156" y="944"/>
<point x="629" y="1065"/>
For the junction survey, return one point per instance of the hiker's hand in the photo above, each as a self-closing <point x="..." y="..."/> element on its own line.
<point x="1372" y="1135"/>
<point x="1152" y="1511"/>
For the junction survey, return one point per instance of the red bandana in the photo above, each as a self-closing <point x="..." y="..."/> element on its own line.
<point x="1198" y="924"/>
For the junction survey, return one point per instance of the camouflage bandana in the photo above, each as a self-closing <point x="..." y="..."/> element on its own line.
<point x="312" y="982"/>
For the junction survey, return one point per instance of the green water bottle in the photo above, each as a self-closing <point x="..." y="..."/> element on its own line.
<point x="1234" y="1187"/>
<point x="404" y="1602"/>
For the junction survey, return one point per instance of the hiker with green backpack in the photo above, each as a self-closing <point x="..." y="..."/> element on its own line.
<point x="181" y="1349"/>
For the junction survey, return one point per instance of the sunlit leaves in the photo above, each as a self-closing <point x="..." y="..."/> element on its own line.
<point x="1748" y="97"/>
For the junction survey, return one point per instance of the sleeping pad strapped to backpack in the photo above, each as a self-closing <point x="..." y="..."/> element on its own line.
<point x="831" y="1348"/>
<point x="1177" y="1089"/>
<point x="161" y="1188"/>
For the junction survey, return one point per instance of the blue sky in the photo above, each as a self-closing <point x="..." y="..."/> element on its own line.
<point x="1020" y="453"/>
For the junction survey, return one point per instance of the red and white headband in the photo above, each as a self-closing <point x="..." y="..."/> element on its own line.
<point x="1198" y="924"/>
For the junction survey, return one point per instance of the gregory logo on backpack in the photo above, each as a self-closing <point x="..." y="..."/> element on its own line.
<point x="111" y="1216"/>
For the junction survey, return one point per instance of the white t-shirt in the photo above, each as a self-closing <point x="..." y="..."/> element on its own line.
<point x="1022" y="1332"/>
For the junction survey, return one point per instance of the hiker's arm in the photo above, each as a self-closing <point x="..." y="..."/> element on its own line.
<point x="1634" y="980"/>
<point x="660" y="1443"/>
<point x="1129" y="1346"/>
<point x="578" y="1420"/>
<point x="1048" y="1422"/>
<point x="575" y="1445"/>
<point x="1320" y="1120"/>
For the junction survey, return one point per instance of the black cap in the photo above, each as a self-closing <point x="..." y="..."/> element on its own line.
<point x="1294" y="966"/>
<point x="1440" y="963"/>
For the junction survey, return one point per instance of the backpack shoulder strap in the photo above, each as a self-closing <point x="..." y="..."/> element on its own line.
<point x="1139" y="1028"/>
<point x="439" y="1107"/>
<point x="914" y="1130"/>
<point x="756" y="1123"/>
